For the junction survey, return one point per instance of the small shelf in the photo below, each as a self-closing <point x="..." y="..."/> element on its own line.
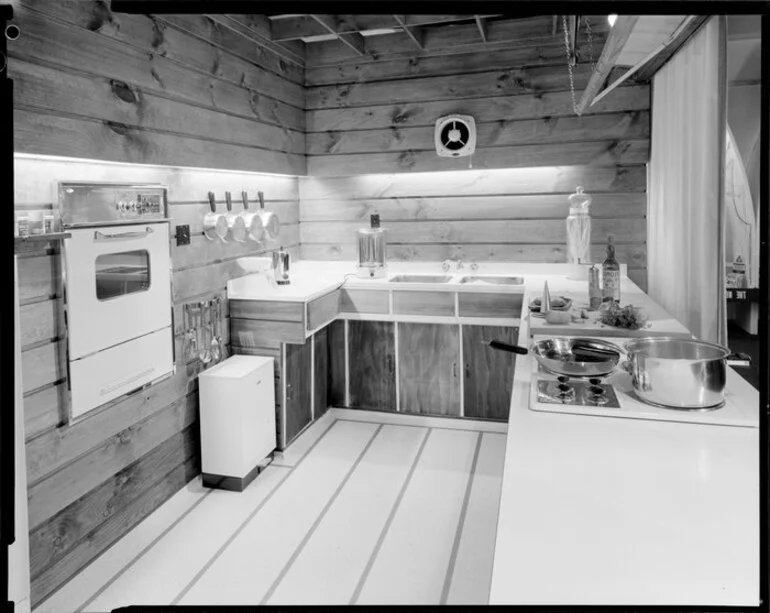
<point x="37" y="241"/>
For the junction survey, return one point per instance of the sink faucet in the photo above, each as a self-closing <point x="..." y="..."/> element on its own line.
<point x="447" y="264"/>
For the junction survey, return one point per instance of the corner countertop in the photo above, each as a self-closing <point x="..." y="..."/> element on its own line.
<point x="607" y="511"/>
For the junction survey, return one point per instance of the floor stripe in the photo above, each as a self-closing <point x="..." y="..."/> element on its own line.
<point x="318" y="520"/>
<point x="243" y="525"/>
<point x="460" y="524"/>
<point x="149" y="546"/>
<point x="368" y="421"/>
<point x="384" y="533"/>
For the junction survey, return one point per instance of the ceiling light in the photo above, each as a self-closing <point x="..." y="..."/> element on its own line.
<point x="611" y="19"/>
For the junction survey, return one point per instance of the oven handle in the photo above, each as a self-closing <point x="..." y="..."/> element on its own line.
<point x="101" y="236"/>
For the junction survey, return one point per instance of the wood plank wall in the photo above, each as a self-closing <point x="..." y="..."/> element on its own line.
<point x="183" y="93"/>
<point x="370" y="149"/>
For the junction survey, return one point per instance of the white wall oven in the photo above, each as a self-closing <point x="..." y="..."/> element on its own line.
<point x="117" y="281"/>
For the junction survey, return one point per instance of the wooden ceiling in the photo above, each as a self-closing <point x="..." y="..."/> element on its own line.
<point x="369" y="37"/>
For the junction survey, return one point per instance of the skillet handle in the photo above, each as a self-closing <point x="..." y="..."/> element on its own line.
<point x="510" y="348"/>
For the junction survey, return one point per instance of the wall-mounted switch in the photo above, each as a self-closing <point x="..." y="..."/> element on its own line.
<point x="182" y="235"/>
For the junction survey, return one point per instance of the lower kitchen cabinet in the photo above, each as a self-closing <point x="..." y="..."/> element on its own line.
<point x="372" y="365"/>
<point x="297" y="376"/>
<point x="320" y="372"/>
<point x="336" y="346"/>
<point x="488" y="372"/>
<point x="429" y="369"/>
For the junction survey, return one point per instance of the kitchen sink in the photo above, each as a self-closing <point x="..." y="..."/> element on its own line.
<point x="420" y="278"/>
<point x="493" y="279"/>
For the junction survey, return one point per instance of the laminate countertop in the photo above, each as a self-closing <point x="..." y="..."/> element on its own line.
<point x="613" y="511"/>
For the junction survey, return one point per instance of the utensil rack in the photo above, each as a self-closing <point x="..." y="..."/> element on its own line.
<point x="203" y="321"/>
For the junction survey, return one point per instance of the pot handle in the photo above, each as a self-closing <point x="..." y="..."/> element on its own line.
<point x="245" y="198"/>
<point x="212" y="202"/>
<point x="229" y="201"/>
<point x="506" y="347"/>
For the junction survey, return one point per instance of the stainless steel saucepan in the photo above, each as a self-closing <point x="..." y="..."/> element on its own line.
<point x="678" y="373"/>
<point x="235" y="223"/>
<point x="270" y="221"/>
<point x="254" y="228"/>
<point x="214" y="224"/>
<point x="576" y="357"/>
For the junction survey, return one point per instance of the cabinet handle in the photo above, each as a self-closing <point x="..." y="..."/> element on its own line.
<point x="467" y="371"/>
<point x="288" y="391"/>
<point x="391" y="365"/>
<point x="454" y="369"/>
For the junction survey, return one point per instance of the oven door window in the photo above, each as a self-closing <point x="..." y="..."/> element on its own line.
<point x="119" y="274"/>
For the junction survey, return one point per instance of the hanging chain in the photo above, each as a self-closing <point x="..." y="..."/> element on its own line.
<point x="570" y="58"/>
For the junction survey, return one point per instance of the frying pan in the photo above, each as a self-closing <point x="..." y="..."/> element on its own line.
<point x="576" y="357"/>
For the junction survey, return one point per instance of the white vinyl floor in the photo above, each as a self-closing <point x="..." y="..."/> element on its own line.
<point x="363" y="508"/>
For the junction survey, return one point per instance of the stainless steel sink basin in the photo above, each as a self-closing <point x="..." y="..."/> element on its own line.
<point x="420" y="278"/>
<point x="493" y="279"/>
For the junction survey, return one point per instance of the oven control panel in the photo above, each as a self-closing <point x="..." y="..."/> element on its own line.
<point x="98" y="204"/>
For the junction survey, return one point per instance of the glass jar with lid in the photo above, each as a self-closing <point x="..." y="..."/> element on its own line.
<point x="579" y="228"/>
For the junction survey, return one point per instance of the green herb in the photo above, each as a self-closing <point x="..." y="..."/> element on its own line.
<point x="628" y="317"/>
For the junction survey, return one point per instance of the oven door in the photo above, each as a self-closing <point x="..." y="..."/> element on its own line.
<point x="118" y="285"/>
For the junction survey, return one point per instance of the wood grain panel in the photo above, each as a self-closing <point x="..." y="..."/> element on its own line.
<point x="252" y="332"/>
<point x="337" y="382"/>
<point x="423" y="303"/>
<point x="489" y="305"/>
<point x="622" y="152"/>
<point x="371" y="349"/>
<point x="511" y="81"/>
<point x="320" y="372"/>
<point x="298" y="386"/>
<point x="74" y="48"/>
<point x="40" y="366"/>
<point x="51" y="540"/>
<point x="472" y="231"/>
<point x="543" y="180"/>
<point x="429" y="368"/>
<point x="634" y="254"/>
<point x="39" y="278"/>
<point x="267" y="309"/>
<point x="511" y="108"/>
<point x="52" y="135"/>
<point x="488" y="372"/>
<point x="144" y="32"/>
<point x="40" y="322"/>
<point x="41" y="410"/>
<point x="107" y="533"/>
<point x="444" y="208"/>
<point x="410" y="64"/>
<point x="364" y="301"/>
<point x="323" y="310"/>
<point x="52" y="494"/>
<point x="51" y="90"/>
<point x="607" y="126"/>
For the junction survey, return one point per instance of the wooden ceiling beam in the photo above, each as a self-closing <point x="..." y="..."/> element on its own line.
<point x="482" y="26"/>
<point x="415" y="34"/>
<point x="616" y="40"/>
<point x="680" y="37"/>
<point x="354" y="40"/>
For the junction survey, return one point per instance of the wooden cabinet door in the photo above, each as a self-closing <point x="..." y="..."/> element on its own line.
<point x="297" y="377"/>
<point x="372" y="365"/>
<point x="429" y="368"/>
<point x="488" y="372"/>
<point x="336" y="345"/>
<point x="320" y="372"/>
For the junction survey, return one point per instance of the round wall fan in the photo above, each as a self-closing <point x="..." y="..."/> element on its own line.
<point x="455" y="136"/>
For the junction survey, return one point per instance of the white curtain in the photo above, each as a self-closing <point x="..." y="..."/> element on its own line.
<point x="685" y="220"/>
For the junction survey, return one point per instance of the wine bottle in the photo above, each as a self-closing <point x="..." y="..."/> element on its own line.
<point x="610" y="274"/>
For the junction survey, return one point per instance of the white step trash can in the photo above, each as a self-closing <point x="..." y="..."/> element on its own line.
<point x="237" y="420"/>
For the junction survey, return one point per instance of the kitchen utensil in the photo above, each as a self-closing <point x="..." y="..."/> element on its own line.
<point x="678" y="373"/>
<point x="205" y="354"/>
<point x="270" y="221"/>
<point x="577" y="357"/>
<point x="235" y="224"/>
<point x="220" y="312"/>
<point x="545" y="303"/>
<point x="214" y="224"/>
<point x="251" y="219"/>
<point x="191" y="334"/>
<point x="216" y="350"/>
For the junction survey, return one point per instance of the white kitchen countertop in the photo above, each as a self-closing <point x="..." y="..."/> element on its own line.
<point x="608" y="511"/>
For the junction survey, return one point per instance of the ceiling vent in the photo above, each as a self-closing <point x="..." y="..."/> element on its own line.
<point x="455" y="136"/>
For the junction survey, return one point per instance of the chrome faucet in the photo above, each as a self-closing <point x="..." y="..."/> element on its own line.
<point x="447" y="264"/>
